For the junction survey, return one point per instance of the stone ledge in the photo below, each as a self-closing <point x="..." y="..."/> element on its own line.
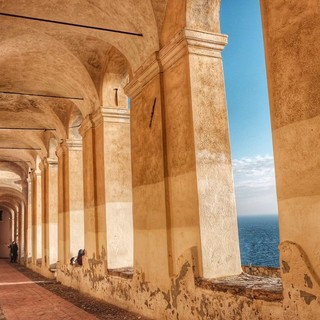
<point x="253" y="287"/>
<point x="262" y="271"/>
<point x="126" y="273"/>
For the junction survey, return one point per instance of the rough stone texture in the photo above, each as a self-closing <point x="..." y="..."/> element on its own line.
<point x="244" y="297"/>
<point x="302" y="297"/>
<point x="262" y="288"/>
<point x="262" y="271"/>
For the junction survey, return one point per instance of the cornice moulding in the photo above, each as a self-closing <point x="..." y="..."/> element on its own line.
<point x="194" y="42"/>
<point x="187" y="41"/>
<point x="73" y="145"/>
<point x="110" y="114"/>
<point x="115" y="115"/>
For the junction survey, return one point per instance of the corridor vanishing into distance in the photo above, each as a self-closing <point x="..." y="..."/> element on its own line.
<point x="114" y="140"/>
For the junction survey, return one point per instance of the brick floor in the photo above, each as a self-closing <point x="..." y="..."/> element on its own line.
<point x="22" y="299"/>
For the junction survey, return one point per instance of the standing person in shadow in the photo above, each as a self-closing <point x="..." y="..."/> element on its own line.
<point x="81" y="253"/>
<point x="13" y="251"/>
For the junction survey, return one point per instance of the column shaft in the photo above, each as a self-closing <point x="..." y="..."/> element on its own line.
<point x="70" y="180"/>
<point x="183" y="194"/>
<point x="36" y="217"/>
<point x="94" y="189"/>
<point x="114" y="126"/>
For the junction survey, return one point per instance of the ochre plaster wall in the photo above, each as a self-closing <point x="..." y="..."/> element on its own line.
<point x="179" y="299"/>
<point x="292" y="45"/>
<point x="5" y="233"/>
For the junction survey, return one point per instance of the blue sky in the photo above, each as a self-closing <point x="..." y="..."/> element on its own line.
<point x="248" y="107"/>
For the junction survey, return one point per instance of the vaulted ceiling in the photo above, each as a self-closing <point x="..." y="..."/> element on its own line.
<point x="41" y="58"/>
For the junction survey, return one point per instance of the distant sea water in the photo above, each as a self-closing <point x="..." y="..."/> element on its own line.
<point x="259" y="240"/>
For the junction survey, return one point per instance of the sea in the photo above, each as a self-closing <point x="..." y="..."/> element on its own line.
<point x="259" y="240"/>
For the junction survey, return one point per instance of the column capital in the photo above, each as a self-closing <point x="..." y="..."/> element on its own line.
<point x="189" y="41"/>
<point x="67" y="145"/>
<point x="73" y="145"/>
<point x="111" y="114"/>
<point x="52" y="162"/>
<point x="148" y="70"/>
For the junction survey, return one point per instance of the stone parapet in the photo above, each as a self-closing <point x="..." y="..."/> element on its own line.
<point x="254" y="287"/>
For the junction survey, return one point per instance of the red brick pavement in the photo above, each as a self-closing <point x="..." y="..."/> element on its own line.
<point x="22" y="299"/>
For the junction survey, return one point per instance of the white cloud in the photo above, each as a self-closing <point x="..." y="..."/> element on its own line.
<point x="255" y="185"/>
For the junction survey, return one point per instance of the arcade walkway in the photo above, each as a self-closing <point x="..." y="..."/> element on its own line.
<point x="21" y="298"/>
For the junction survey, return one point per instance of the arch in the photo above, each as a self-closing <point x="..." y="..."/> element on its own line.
<point x="75" y="120"/>
<point x="148" y="16"/>
<point x="20" y="141"/>
<point x="200" y="15"/>
<point x="52" y="148"/>
<point x="62" y="74"/>
<point x="116" y="76"/>
<point x="19" y="168"/>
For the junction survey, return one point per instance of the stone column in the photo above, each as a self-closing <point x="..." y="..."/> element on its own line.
<point x="21" y="230"/>
<point x="70" y="195"/>
<point x="183" y="193"/>
<point x="292" y="43"/>
<point x="36" y="217"/>
<point x="15" y="227"/>
<point x="29" y="214"/>
<point x="43" y="169"/>
<point x="114" y="126"/>
<point x="50" y="211"/>
<point x="94" y="189"/>
<point x="152" y="252"/>
<point x="199" y="147"/>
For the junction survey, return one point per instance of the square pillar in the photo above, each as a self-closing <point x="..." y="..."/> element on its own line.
<point x="70" y="200"/>
<point x="36" y="217"/>
<point x="198" y="145"/>
<point x="114" y="126"/>
<point x="21" y="231"/>
<point x="50" y="211"/>
<point x="29" y="213"/>
<point x="94" y="189"/>
<point x="183" y="195"/>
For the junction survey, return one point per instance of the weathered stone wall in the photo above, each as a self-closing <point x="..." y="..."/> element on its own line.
<point x="182" y="299"/>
